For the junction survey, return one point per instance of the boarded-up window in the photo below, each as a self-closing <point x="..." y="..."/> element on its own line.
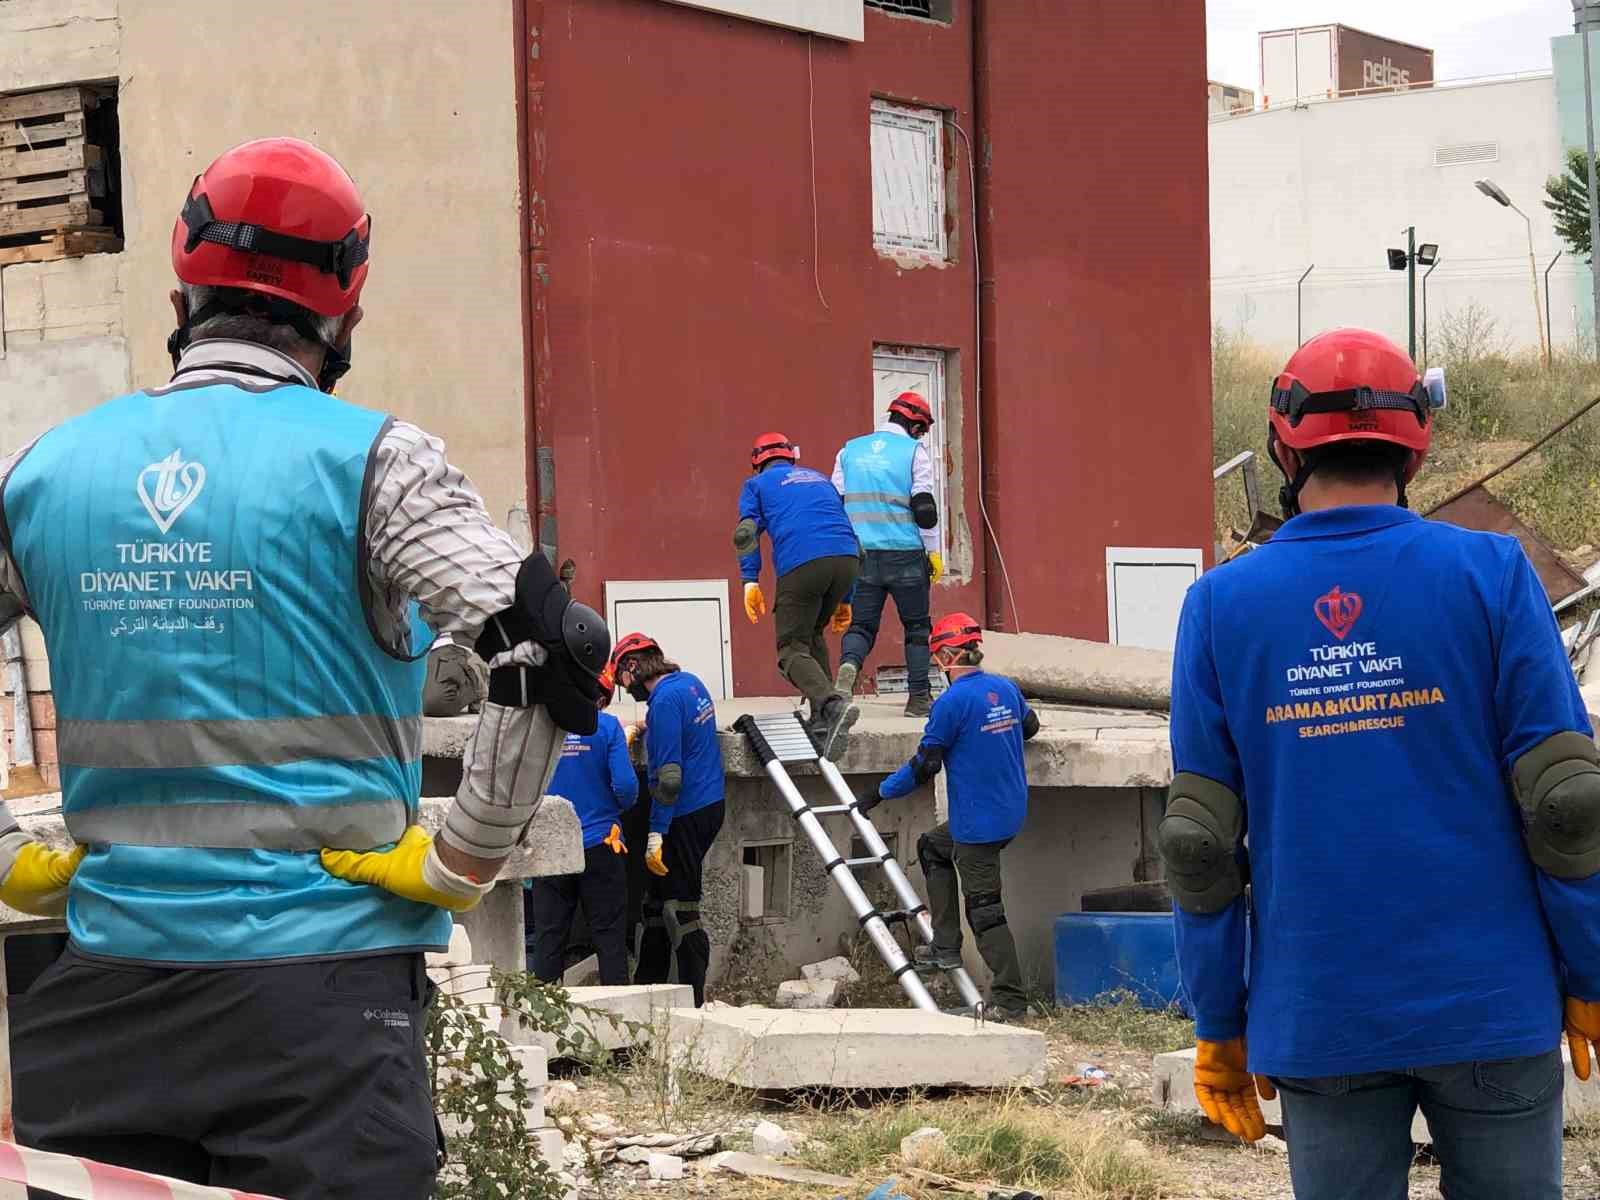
<point x="908" y="192"/>
<point x="897" y="369"/>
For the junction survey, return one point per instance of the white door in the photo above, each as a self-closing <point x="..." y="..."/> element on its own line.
<point x="689" y="617"/>
<point x="1144" y="594"/>
<point x="897" y="369"/>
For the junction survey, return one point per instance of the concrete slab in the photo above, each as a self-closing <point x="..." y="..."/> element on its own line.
<point x="1059" y="668"/>
<point x="1173" y="1087"/>
<point x="643" y="1004"/>
<point x="553" y="845"/>
<point x="853" y="1048"/>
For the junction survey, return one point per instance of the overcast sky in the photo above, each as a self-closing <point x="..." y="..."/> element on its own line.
<point x="1469" y="37"/>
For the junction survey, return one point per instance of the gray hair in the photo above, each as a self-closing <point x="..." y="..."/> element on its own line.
<point x="250" y="327"/>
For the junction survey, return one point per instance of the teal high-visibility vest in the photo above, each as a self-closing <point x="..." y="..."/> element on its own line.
<point x="877" y="490"/>
<point x="196" y="558"/>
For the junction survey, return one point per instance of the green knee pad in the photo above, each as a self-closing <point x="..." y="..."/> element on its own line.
<point x="1557" y="785"/>
<point x="1199" y="839"/>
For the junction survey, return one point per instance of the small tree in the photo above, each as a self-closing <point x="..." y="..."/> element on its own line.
<point x="1567" y="198"/>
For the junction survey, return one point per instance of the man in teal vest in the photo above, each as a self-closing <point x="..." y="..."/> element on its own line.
<point x="887" y="480"/>
<point x="230" y="572"/>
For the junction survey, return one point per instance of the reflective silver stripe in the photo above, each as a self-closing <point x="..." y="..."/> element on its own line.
<point x="878" y="498"/>
<point x="175" y="744"/>
<point x="265" y="825"/>
<point x="904" y="518"/>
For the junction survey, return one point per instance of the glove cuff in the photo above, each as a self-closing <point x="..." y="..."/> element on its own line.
<point x="442" y="879"/>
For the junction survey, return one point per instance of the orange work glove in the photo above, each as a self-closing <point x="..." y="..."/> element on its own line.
<point x="755" y="604"/>
<point x="841" y="619"/>
<point x="653" y="846"/>
<point x="1583" y="1027"/>
<point x="614" y="840"/>
<point x="1227" y="1091"/>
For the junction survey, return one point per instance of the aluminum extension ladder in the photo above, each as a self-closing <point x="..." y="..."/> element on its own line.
<point x="779" y="739"/>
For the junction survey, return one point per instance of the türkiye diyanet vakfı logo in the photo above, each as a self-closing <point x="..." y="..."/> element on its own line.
<point x="1347" y="687"/>
<point x="157" y="585"/>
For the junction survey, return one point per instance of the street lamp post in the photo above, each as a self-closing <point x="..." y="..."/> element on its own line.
<point x="1406" y="260"/>
<point x="1493" y="190"/>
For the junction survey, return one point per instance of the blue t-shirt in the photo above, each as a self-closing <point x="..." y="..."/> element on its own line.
<point x="681" y="727"/>
<point x="801" y="512"/>
<point x="596" y="775"/>
<point x="977" y="722"/>
<point x="1364" y="682"/>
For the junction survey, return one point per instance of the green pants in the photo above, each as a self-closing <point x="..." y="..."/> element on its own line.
<point x="978" y="866"/>
<point x="807" y="598"/>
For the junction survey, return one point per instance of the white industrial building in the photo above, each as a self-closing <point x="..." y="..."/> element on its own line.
<point x="1335" y="183"/>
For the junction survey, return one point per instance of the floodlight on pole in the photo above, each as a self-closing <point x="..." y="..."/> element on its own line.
<point x="1496" y="193"/>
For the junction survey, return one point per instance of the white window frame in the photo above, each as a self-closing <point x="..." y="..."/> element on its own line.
<point x="907" y="125"/>
<point x="636" y="591"/>
<point x="910" y="362"/>
<point x="1143" y="556"/>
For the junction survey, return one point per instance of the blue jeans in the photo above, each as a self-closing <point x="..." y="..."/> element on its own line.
<point x="1496" y="1130"/>
<point x="903" y="574"/>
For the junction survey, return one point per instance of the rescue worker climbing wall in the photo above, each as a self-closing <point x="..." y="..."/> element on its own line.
<point x="815" y="556"/>
<point x="686" y="787"/>
<point x="226" y="570"/>
<point x="975" y="731"/>
<point x="1375" y="729"/>
<point x="887" y="480"/>
<point x="597" y="776"/>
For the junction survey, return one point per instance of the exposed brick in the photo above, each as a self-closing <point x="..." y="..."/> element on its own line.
<point x="51" y="774"/>
<point x="44" y="747"/>
<point x="42" y="710"/>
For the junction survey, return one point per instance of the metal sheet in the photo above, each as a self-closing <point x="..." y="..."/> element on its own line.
<point x="1477" y="508"/>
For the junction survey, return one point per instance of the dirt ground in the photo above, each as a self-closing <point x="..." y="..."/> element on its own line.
<point x="1192" y="1161"/>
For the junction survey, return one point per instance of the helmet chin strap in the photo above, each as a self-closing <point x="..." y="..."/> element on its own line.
<point x="335" y="360"/>
<point x="1310" y="459"/>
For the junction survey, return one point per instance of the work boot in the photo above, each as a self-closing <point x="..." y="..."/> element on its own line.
<point x="936" y="958"/>
<point x="829" y="730"/>
<point x="845" y="681"/>
<point x="919" y="704"/>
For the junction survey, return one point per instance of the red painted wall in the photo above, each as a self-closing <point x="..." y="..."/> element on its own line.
<point x="1098" y="377"/>
<point x="677" y="297"/>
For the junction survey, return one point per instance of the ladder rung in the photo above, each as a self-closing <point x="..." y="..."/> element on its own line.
<point x="863" y="862"/>
<point x="829" y="810"/>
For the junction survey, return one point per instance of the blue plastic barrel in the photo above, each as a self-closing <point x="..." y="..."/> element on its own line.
<point x="1102" y="953"/>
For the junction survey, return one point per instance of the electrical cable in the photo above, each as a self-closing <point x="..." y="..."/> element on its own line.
<point x="977" y="364"/>
<point x="811" y="125"/>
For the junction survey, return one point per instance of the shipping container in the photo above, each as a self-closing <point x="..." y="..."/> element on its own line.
<point x="1320" y="62"/>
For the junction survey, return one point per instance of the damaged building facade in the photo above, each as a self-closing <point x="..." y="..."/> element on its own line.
<point x="615" y="239"/>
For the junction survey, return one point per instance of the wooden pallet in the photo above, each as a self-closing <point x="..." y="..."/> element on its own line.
<point x="67" y="243"/>
<point x="50" y="175"/>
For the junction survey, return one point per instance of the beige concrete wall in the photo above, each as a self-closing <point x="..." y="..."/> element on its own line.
<point x="49" y="42"/>
<point x="418" y="101"/>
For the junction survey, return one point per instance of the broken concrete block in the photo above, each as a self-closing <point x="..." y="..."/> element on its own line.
<point x="769" y="1139"/>
<point x="635" y="1155"/>
<point x="623" y="1015"/>
<point x="458" y="955"/>
<point x="551" y="1144"/>
<point x="560" y="1095"/>
<point x="805" y="993"/>
<point x="861" y="1047"/>
<point x="923" y="1147"/>
<point x="665" y="1166"/>
<point x="583" y="973"/>
<point x="1067" y="669"/>
<point x="553" y="845"/>
<point x="831" y="968"/>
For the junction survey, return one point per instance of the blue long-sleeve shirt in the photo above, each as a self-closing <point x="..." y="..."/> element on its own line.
<point x="977" y="722"/>
<point x="802" y="514"/>
<point x="1365" y="682"/>
<point x="597" y="776"/>
<point x="681" y="728"/>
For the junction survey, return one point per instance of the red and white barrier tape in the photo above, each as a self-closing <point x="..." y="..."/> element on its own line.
<point x="85" y="1179"/>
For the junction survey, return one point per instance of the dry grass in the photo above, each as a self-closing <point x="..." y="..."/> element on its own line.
<point x="1121" y="1022"/>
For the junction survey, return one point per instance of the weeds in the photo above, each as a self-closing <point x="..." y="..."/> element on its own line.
<point x="1120" y="1020"/>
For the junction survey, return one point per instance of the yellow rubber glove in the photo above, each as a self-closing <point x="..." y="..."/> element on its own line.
<point x="841" y="619"/>
<point x="935" y="566"/>
<point x="411" y="869"/>
<point x="1227" y="1091"/>
<point x="614" y="840"/>
<point x="1583" y="1027"/>
<point x="652" y="856"/>
<point x="38" y="879"/>
<point x="755" y="604"/>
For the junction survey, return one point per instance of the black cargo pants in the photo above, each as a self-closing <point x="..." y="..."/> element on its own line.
<point x="978" y="865"/>
<point x="672" y="904"/>
<point x="306" y="1081"/>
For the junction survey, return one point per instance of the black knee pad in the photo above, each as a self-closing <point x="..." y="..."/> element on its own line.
<point x="985" y="911"/>
<point x="926" y="859"/>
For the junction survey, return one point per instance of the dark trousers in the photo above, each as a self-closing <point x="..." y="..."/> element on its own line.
<point x="903" y="575"/>
<point x="943" y="859"/>
<point x="1496" y="1130"/>
<point x="806" y="600"/>
<point x="672" y="904"/>
<point x="602" y="889"/>
<point x="306" y="1081"/>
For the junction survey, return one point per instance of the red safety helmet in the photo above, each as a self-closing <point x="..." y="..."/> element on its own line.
<point x="607" y="680"/>
<point x="279" y="217"/>
<point x="633" y="643"/>
<point x="913" y="408"/>
<point x="955" y="631"/>
<point x="770" y="446"/>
